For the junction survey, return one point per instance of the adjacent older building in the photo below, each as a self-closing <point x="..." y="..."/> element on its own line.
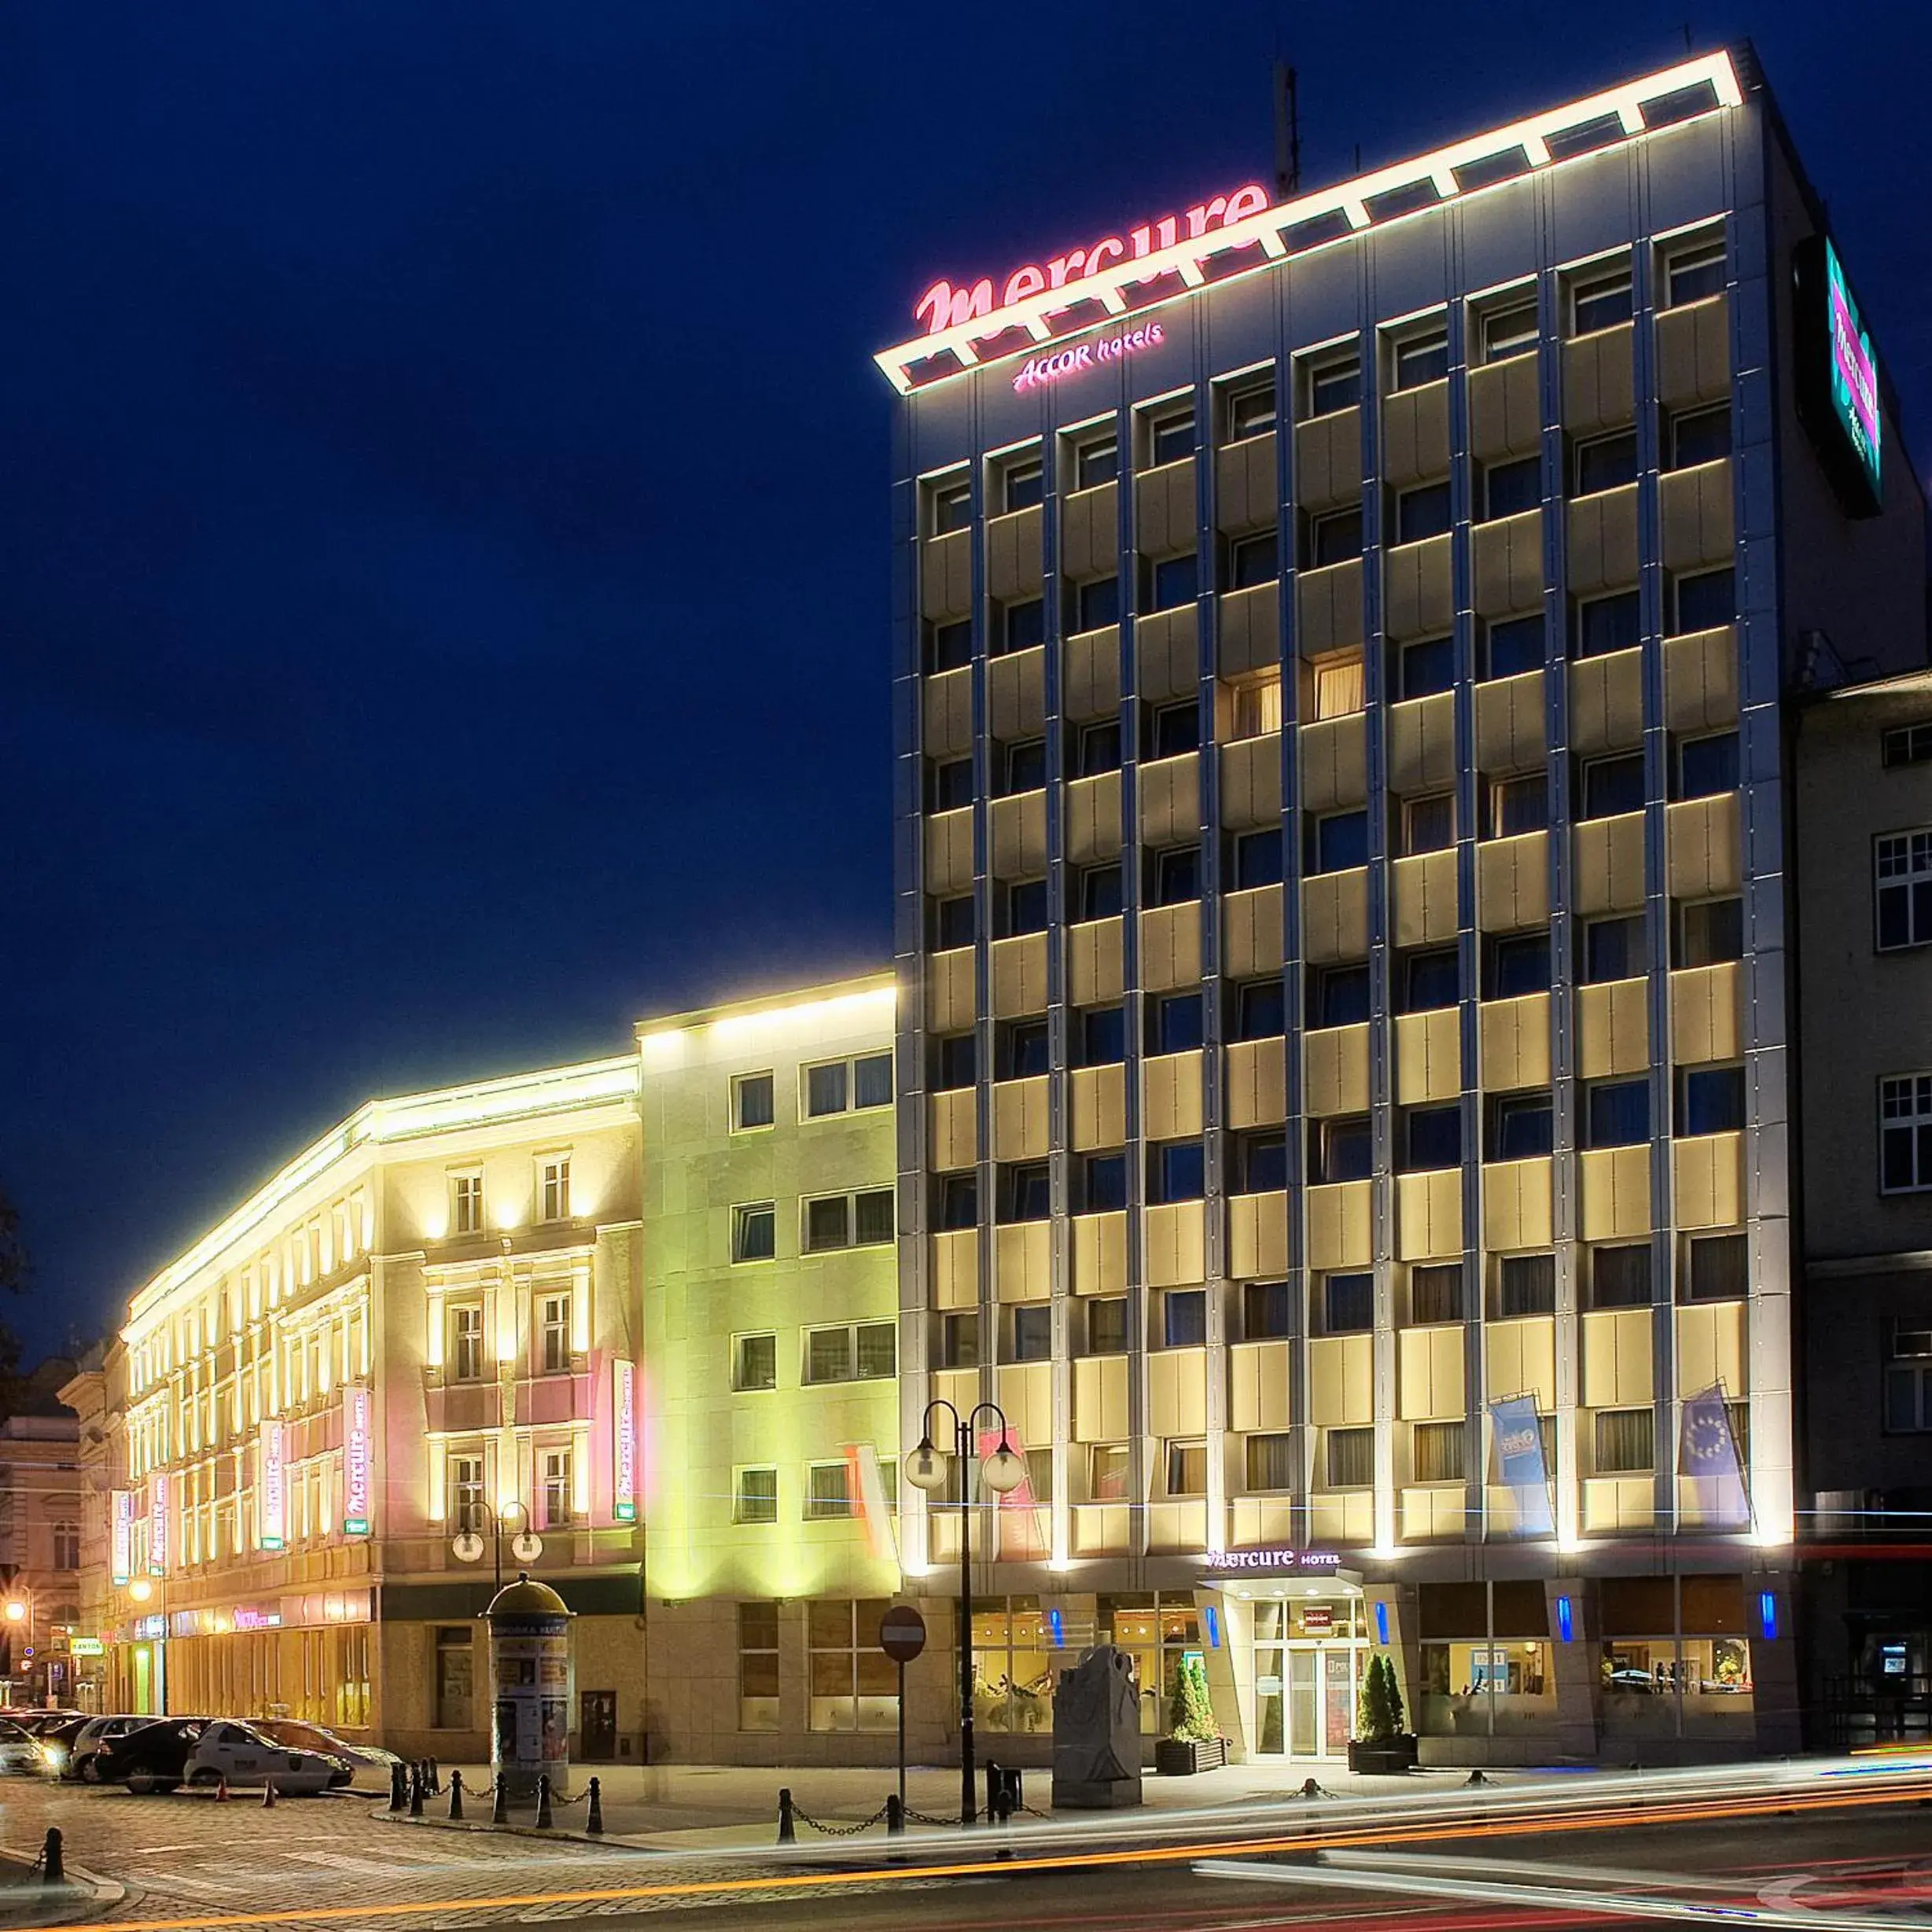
<point x="1346" y="651"/>
<point x="40" y="1540"/>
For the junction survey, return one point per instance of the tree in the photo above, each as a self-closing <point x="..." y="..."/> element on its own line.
<point x="1190" y="1712"/>
<point x="1378" y="1704"/>
<point x="1395" y="1714"/>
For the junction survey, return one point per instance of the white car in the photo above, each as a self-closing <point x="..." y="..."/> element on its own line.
<point x="240" y="1753"/>
<point x="19" y="1755"/>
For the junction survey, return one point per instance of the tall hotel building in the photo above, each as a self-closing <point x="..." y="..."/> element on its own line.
<point x="1345" y="651"/>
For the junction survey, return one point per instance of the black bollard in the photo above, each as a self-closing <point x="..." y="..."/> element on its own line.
<point x="415" y="1792"/>
<point x="399" y="1786"/>
<point x="53" y="1861"/>
<point x="544" y="1820"/>
<point x="456" y="1796"/>
<point x="499" y="1811"/>
<point x="788" y="1832"/>
<point x="895" y="1815"/>
<point x="595" y="1823"/>
<point x="992" y="1789"/>
<point x="1000" y="1808"/>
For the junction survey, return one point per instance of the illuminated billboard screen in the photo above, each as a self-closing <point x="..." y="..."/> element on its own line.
<point x="1838" y="377"/>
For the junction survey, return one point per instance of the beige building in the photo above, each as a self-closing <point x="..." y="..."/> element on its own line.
<point x="40" y="1540"/>
<point x="425" y="1325"/>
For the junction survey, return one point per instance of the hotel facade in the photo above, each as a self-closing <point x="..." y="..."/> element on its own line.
<point x="1345" y="659"/>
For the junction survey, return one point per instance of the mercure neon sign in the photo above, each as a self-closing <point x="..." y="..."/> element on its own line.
<point x="943" y="307"/>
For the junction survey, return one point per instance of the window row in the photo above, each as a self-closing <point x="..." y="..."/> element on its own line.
<point x="826" y="1088"/>
<point x="845" y="1352"/>
<point x="827" y="1224"/>
<point x="466" y="1205"/>
<point x="556" y="1345"/>
<point x="830" y="1491"/>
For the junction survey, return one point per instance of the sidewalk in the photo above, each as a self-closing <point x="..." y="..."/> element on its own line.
<point x="730" y="1807"/>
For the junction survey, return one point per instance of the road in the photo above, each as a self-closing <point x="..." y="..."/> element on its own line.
<point x="1826" y="1850"/>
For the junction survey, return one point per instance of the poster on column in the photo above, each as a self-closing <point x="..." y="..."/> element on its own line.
<point x="1519" y="1455"/>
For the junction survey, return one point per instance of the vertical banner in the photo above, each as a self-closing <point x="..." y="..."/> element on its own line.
<point x="272" y="1504"/>
<point x="867" y="1483"/>
<point x="1519" y="1454"/>
<point x="623" y="1441"/>
<point x="358" y="1416"/>
<point x="122" y="1521"/>
<point x="1707" y="1453"/>
<point x="157" y="1523"/>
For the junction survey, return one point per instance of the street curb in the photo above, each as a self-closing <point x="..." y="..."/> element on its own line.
<point x="86" y="1895"/>
<point x="551" y="1835"/>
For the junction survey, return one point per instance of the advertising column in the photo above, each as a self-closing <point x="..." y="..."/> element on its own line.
<point x="530" y="1688"/>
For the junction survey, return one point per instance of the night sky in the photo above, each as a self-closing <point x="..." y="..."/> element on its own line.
<point x="443" y="495"/>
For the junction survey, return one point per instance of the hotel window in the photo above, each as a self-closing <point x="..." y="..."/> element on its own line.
<point x="1257" y="706"/>
<point x="1025" y="1192"/>
<point x="1435" y="1293"/>
<point x="1026" y="908"/>
<point x="1907" y="745"/>
<point x="1626" y="1441"/>
<point x="1422" y="512"/>
<point x="1905" y="1133"/>
<point x="1258" y="860"/>
<point x="1184" y="1317"/>
<point x="1693" y="274"/>
<point x="1426" y="669"/>
<point x="466" y="1492"/>
<point x="758" y="1666"/>
<point x="1521" y="1127"/>
<point x="754" y="1362"/>
<point x="1177" y="1171"/>
<point x="951" y="506"/>
<point x="1174" y="729"/>
<point x="1716" y="1267"/>
<point x="1032" y="1333"/>
<point x="1510" y="488"/>
<point x="1699" y="436"/>
<point x="1908" y="1376"/>
<point x="1432" y="1138"/>
<point x="1613" y="786"/>
<point x="1106" y="1473"/>
<point x="956" y="922"/>
<point x="1022" y="1049"/>
<point x="752" y="1097"/>
<point x="1609" y="623"/>
<point x="1612" y="949"/>
<point x="1098" y="749"/>
<point x="1519" y="805"/>
<point x="1253" y="560"/>
<point x="556" y="1488"/>
<point x="1420" y="360"/>
<point x="1100" y="889"/>
<point x="1351" y="1458"/>
<point x="754" y="1228"/>
<point x="1514" y="646"/>
<point x="855" y="1685"/>
<point x="1023" y="767"/>
<point x="1601" y="302"/>
<point x="1176" y="875"/>
<point x="1023" y="482"/>
<point x="959" y="1341"/>
<point x="949" y="646"/>
<point x="1340" y="996"/>
<point x="466" y="1343"/>
<point x="836" y="1086"/>
<point x="1616" y="1113"/>
<point x="956" y="1062"/>
<point x="1103" y="1184"/>
<point x="1173" y="581"/>
<point x="1097" y="604"/>
<point x="1709" y="932"/>
<point x="1021" y="626"/>
<point x="1339" y="1150"/>
<point x="958" y="1201"/>
<point x="466" y="1203"/>
<point x="1338" y="687"/>
<point x="1430" y="981"/>
<point x="1335" y="383"/>
<point x="860" y="1220"/>
<point x="1439" y="1452"/>
<point x="1334" y="537"/>
<point x="1347" y="1304"/>
<point x="828" y="1491"/>
<point x="1250" y="410"/>
<point x="1605" y="463"/>
<point x="756" y="1492"/>
<point x="1620" y="1277"/>
<point x="1096" y="460"/>
<point x="1106" y="1325"/>
<point x="1706" y="766"/>
<point x="1902" y="885"/>
<point x="1710" y="1100"/>
<point x="1187" y="1469"/>
<point x="1270" y="1463"/>
<point x="1170" y="436"/>
<point x="1266" y="1311"/>
<point x="1428" y="824"/>
<point x="857" y="1352"/>
<point x="554" y="1187"/>
<point x="1341" y="841"/>
<point x="554" y="1330"/>
<point x="1525" y="1284"/>
<point x="1260" y="1010"/>
<point x="1509" y="332"/>
<point x="1260" y="1162"/>
<point x="1704" y="601"/>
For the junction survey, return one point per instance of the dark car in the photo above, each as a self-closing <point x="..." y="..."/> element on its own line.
<point x="154" y="1758"/>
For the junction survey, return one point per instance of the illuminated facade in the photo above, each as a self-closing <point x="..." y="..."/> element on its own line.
<point x="422" y="1320"/>
<point x="1342" y="920"/>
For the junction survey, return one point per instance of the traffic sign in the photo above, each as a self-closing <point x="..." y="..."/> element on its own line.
<point x="902" y="1633"/>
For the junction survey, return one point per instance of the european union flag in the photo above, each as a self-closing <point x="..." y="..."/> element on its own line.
<point x="1707" y="1453"/>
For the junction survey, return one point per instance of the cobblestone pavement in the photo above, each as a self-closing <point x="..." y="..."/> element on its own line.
<point x="186" y="1856"/>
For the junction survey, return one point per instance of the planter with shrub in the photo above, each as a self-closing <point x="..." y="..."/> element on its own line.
<point x="1381" y="1744"/>
<point x="1194" y="1742"/>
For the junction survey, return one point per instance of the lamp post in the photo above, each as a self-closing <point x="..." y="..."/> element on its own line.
<point x="1004" y="1470"/>
<point x="19" y="1611"/>
<point x="140" y="1589"/>
<point x="525" y="1545"/>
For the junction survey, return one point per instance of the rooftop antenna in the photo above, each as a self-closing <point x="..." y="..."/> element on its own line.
<point x="1287" y="134"/>
<point x="1688" y="47"/>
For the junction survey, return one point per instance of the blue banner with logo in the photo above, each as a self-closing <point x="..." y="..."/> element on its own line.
<point x="1707" y="1453"/>
<point x="1519" y="1456"/>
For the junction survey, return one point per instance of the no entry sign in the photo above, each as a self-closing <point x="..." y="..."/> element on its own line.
<point x="902" y="1633"/>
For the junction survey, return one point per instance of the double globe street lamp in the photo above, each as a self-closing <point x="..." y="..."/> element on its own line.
<point x="510" y="1519"/>
<point x="929" y="1469"/>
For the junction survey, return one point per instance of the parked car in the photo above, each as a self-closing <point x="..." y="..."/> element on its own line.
<point x="56" y="1739"/>
<point x="152" y="1756"/>
<point x="88" y="1739"/>
<point x="242" y="1754"/>
<point x="20" y="1755"/>
<point x="361" y="1760"/>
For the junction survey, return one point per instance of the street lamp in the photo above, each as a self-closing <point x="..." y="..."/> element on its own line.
<point x="140" y="1590"/>
<point x="1004" y="1471"/>
<point x="19" y="1611"/>
<point x="526" y="1547"/>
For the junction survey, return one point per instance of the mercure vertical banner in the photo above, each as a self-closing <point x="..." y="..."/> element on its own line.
<point x="1519" y="1456"/>
<point x="123" y="1535"/>
<point x="272" y="1503"/>
<point x="623" y="1441"/>
<point x="357" y="1415"/>
<point x="157" y="1522"/>
<point x="1707" y="1453"/>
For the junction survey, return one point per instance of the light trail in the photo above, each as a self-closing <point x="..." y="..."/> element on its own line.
<point x="1519" y="1823"/>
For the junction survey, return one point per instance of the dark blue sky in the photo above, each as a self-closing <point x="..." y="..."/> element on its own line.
<point x="443" y="496"/>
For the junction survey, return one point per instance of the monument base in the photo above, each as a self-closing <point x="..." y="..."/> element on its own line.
<point x="1095" y="1794"/>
